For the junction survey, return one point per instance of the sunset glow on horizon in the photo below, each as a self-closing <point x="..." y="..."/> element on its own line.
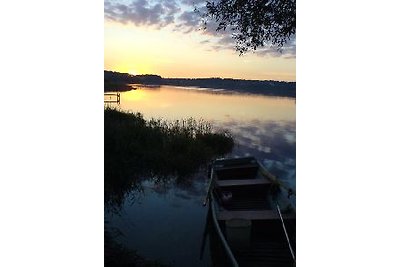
<point x="144" y="45"/>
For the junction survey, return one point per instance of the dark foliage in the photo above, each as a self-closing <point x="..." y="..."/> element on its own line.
<point x="118" y="77"/>
<point x="116" y="81"/>
<point x="255" y="23"/>
<point x="135" y="148"/>
<point x="273" y="88"/>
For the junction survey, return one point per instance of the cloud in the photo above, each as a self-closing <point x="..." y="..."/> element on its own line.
<point x="181" y="16"/>
<point x="192" y="2"/>
<point x="142" y="12"/>
<point x="190" y="19"/>
<point x="223" y="40"/>
<point x="288" y="51"/>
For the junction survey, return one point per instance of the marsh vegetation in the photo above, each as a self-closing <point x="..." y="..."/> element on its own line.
<point x="135" y="149"/>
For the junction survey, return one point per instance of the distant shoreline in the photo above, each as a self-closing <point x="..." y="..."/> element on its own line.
<point x="115" y="81"/>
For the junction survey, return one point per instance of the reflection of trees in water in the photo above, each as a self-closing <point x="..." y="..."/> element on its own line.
<point x="187" y="187"/>
<point x="163" y="151"/>
<point x="246" y="91"/>
<point x="117" y="189"/>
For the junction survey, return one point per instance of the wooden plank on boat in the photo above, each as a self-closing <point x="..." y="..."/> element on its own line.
<point x="237" y="182"/>
<point x="219" y="167"/>
<point x="252" y="215"/>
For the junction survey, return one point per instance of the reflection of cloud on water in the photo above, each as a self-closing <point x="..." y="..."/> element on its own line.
<point x="290" y="137"/>
<point x="286" y="173"/>
<point x="285" y="170"/>
<point x="192" y="187"/>
<point x="264" y="149"/>
<point x="271" y="142"/>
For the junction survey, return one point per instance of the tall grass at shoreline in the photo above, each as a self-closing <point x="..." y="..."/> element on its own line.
<point x="136" y="148"/>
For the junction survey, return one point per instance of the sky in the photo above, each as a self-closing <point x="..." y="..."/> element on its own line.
<point x="165" y="37"/>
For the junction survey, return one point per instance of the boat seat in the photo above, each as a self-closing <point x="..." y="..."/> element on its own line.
<point x="220" y="167"/>
<point x="253" y="215"/>
<point x="236" y="182"/>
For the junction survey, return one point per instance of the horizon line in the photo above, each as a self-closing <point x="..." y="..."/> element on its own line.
<point x="225" y="78"/>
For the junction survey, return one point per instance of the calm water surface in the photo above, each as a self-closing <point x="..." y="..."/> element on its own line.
<point x="166" y="221"/>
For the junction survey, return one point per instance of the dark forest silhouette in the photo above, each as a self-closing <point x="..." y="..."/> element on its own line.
<point x="115" y="81"/>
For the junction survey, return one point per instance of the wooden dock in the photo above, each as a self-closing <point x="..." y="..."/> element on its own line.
<point x="114" y="98"/>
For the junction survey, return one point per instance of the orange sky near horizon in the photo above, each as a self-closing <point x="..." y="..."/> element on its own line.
<point x="173" y="54"/>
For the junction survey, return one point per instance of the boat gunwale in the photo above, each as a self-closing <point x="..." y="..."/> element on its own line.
<point x="225" y="244"/>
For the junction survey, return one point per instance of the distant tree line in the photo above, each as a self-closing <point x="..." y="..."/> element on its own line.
<point x="246" y="86"/>
<point x="117" y="77"/>
<point x="265" y="87"/>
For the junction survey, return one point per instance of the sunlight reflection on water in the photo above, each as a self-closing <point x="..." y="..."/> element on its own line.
<point x="182" y="102"/>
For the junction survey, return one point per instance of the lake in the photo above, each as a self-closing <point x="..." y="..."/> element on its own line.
<point x="166" y="221"/>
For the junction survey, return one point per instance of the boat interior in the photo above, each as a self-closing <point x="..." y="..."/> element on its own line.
<point x="242" y="193"/>
<point x="239" y="185"/>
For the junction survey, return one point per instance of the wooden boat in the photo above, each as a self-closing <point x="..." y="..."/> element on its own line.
<point x="252" y="228"/>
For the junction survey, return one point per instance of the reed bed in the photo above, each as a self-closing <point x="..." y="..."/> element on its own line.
<point x="135" y="148"/>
